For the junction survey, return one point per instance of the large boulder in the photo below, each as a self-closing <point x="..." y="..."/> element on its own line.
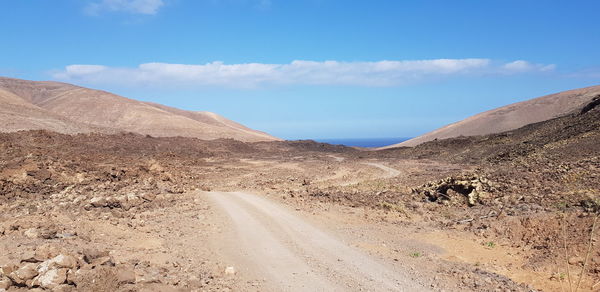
<point x="24" y="274"/>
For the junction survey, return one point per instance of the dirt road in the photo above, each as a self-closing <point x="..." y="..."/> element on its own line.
<point x="268" y="241"/>
<point x="388" y="171"/>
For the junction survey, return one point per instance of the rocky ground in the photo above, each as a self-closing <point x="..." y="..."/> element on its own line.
<point x="127" y="212"/>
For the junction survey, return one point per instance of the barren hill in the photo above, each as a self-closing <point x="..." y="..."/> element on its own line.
<point x="18" y="114"/>
<point x="512" y="116"/>
<point x="67" y="108"/>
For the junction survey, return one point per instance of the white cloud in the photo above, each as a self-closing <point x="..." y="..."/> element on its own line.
<point x="251" y="75"/>
<point x="148" y="7"/>
<point x="87" y="69"/>
<point x="524" y="66"/>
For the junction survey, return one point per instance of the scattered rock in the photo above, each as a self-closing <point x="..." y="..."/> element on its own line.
<point x="32" y="233"/>
<point x="51" y="278"/>
<point x="45" y="233"/>
<point x="60" y="261"/>
<point x="5" y="282"/>
<point x="576" y="260"/>
<point x="89" y="278"/>
<point x="230" y="271"/>
<point x="98" y="202"/>
<point x="74" y="277"/>
<point x="44" y="267"/>
<point x="91" y="254"/>
<point x="125" y="274"/>
<point x="65" y="261"/>
<point x="66" y="235"/>
<point x="7" y="269"/>
<point x="134" y="200"/>
<point x="126" y="202"/>
<point x="23" y="274"/>
<point x="471" y="187"/>
<point x="103" y="261"/>
<point x="148" y="196"/>
<point x="46" y="251"/>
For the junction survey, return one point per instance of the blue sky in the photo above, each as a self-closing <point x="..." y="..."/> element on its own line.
<point x="311" y="68"/>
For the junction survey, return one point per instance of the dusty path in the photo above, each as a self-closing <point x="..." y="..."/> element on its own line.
<point x="337" y="158"/>
<point x="269" y="242"/>
<point x="388" y="171"/>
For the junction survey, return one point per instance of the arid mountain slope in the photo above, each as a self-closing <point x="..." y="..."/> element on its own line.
<point x="17" y="114"/>
<point x="512" y="116"/>
<point x="569" y="138"/>
<point x="67" y="108"/>
<point x="222" y="124"/>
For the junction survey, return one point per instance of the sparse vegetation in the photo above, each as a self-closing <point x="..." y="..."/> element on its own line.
<point x="395" y="207"/>
<point x="566" y="248"/>
<point x="490" y="244"/>
<point x="416" y="254"/>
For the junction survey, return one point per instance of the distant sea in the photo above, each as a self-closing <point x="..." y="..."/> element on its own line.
<point x="364" y="142"/>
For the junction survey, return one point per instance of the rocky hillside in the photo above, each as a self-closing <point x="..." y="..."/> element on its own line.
<point x="512" y="116"/>
<point x="568" y="138"/>
<point x="65" y="108"/>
